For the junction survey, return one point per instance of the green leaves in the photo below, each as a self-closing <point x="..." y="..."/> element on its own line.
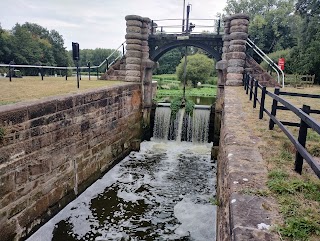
<point x="199" y="68"/>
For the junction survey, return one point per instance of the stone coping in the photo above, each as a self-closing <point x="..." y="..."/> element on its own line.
<point x="241" y="173"/>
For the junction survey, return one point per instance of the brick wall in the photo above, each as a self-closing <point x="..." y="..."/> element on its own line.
<point x="54" y="148"/>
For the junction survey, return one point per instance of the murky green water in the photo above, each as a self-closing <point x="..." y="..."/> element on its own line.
<point x="162" y="192"/>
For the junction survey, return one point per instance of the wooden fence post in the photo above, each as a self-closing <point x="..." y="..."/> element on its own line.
<point x="247" y="85"/>
<point x="251" y="87"/>
<point x="274" y="109"/>
<point x="263" y="97"/>
<point x="255" y="95"/>
<point x="303" y="131"/>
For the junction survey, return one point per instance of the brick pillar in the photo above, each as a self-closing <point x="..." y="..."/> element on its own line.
<point x="236" y="54"/>
<point x="134" y="38"/>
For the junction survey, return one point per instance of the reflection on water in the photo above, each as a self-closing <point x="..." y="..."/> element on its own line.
<point x="162" y="192"/>
<point x="196" y="99"/>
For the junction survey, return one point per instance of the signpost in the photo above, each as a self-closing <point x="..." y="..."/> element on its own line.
<point x="281" y="63"/>
<point x="76" y="57"/>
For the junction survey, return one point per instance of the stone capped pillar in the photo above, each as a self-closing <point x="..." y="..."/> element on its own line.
<point x="226" y="38"/>
<point x="236" y="52"/>
<point x="134" y="38"/>
<point x="145" y="31"/>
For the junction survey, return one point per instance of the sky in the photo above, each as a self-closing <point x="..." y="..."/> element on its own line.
<point x="98" y="23"/>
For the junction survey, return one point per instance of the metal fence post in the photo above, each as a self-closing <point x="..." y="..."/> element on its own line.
<point x="274" y="109"/>
<point x="263" y="97"/>
<point x="303" y="131"/>
<point x="255" y="95"/>
<point x="66" y="73"/>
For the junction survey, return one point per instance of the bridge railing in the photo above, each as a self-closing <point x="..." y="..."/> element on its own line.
<point x="194" y="26"/>
<point x="252" y="86"/>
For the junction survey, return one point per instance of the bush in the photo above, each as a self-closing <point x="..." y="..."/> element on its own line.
<point x="199" y="68"/>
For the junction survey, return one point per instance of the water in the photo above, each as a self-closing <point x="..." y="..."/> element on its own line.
<point x="162" y="192"/>
<point x="200" y="125"/>
<point x="162" y="123"/>
<point x="183" y="127"/>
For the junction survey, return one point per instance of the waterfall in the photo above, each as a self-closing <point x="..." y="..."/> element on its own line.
<point x="183" y="127"/>
<point x="200" y="125"/>
<point x="180" y="117"/>
<point x="162" y="123"/>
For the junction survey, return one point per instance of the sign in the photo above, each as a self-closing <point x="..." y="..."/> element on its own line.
<point x="182" y="37"/>
<point x="281" y="63"/>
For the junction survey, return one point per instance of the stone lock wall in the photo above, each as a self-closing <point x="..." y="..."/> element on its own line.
<point x="54" y="148"/>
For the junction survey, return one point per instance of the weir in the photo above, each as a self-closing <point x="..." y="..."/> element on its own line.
<point x="183" y="126"/>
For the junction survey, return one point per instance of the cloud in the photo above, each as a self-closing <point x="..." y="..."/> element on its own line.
<point x="97" y="23"/>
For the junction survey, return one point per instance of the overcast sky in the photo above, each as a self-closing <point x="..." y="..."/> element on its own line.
<point x="97" y="23"/>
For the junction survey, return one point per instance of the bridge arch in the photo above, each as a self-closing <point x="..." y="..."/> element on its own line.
<point x="159" y="45"/>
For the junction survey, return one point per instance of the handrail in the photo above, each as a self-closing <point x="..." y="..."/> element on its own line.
<point x="104" y="61"/>
<point x="70" y="67"/>
<point x="266" y="58"/>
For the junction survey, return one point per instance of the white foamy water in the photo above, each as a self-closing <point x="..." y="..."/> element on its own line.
<point x="159" y="193"/>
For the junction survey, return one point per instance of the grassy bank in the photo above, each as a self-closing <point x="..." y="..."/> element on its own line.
<point x="28" y="88"/>
<point x="298" y="196"/>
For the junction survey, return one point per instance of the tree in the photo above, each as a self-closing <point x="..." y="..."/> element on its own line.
<point x="169" y="61"/>
<point x="306" y="53"/>
<point x="199" y="68"/>
<point x="272" y="22"/>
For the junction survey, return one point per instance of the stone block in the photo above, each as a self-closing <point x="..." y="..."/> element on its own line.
<point x="238" y="42"/>
<point x="133" y="54"/>
<point x="39" y="168"/>
<point x="134" y="41"/>
<point x="133" y="73"/>
<point x="7" y="183"/>
<point x="136" y="23"/>
<point x="239" y="28"/>
<point x="21" y="175"/>
<point x="13" y="117"/>
<point x="250" y="211"/>
<point x="133" y="47"/>
<point x="236" y="22"/>
<point x="238" y="36"/>
<point x="239" y="16"/>
<point x="134" y="17"/>
<point x="237" y="48"/>
<point x="8" y="230"/>
<point x="145" y="30"/>
<point x="236" y="63"/>
<point x="133" y="36"/>
<point x="133" y="29"/>
<point x="133" y="60"/>
<point x="133" y="67"/>
<point x="145" y="55"/>
<point x="132" y="79"/>
<point x="236" y="55"/>
<point x="237" y="70"/>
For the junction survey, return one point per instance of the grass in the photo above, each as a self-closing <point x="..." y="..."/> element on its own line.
<point x="30" y="88"/>
<point x="298" y="196"/>
<point x="210" y="92"/>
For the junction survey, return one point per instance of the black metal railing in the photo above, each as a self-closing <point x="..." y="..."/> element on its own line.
<point x="252" y="86"/>
<point x="110" y="60"/>
<point x="178" y="26"/>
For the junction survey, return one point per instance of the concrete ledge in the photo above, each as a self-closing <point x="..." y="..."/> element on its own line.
<point x="242" y="214"/>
